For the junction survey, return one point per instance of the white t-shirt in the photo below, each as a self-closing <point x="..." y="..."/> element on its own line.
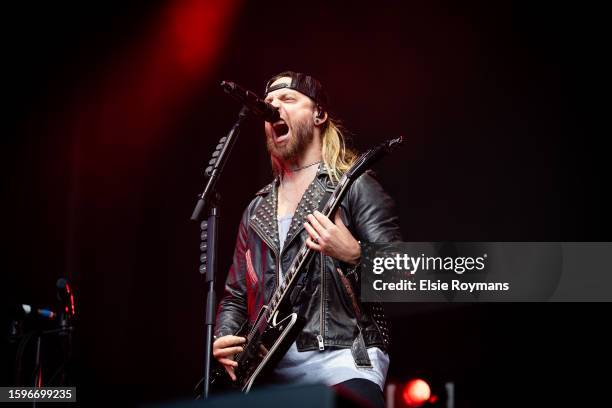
<point x="330" y="366"/>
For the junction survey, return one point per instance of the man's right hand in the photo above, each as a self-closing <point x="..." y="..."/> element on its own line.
<point x="224" y="349"/>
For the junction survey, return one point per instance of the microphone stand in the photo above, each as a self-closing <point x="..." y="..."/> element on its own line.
<point x="65" y="334"/>
<point x="211" y="199"/>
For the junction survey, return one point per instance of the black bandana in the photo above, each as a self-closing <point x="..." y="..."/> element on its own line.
<point x="304" y="84"/>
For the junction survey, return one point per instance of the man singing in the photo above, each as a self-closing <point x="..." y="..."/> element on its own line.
<point x="344" y="343"/>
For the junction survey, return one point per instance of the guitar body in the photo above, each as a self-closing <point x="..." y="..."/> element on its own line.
<point x="267" y="342"/>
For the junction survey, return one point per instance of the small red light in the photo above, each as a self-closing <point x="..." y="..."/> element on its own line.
<point x="416" y="392"/>
<point x="71" y="304"/>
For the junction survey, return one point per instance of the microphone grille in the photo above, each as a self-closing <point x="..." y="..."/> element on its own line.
<point x="61" y="283"/>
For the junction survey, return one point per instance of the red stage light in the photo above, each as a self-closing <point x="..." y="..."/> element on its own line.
<point x="416" y="392"/>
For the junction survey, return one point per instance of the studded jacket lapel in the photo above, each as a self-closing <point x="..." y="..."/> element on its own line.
<point x="310" y="201"/>
<point x="263" y="221"/>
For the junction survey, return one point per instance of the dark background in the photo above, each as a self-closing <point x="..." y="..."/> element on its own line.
<point x="112" y="110"/>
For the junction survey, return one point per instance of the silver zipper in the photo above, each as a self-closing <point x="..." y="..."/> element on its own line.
<point x="278" y="273"/>
<point x="322" y="312"/>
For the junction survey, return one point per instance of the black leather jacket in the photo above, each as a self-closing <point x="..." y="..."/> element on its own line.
<point x="329" y="297"/>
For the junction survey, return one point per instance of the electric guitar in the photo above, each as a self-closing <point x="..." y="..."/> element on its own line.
<point x="277" y="326"/>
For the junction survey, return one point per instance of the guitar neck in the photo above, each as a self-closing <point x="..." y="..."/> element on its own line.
<point x="302" y="258"/>
<point x="305" y="253"/>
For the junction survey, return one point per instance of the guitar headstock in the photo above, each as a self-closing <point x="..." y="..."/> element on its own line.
<point x="392" y="144"/>
<point x="367" y="159"/>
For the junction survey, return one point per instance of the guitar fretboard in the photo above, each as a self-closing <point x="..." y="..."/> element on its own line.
<point x="304" y="253"/>
<point x="361" y="164"/>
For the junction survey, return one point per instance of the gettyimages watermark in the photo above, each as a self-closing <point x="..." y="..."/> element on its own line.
<point x="486" y="272"/>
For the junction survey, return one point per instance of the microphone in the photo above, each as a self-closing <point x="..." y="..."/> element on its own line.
<point x="257" y="106"/>
<point x="65" y="296"/>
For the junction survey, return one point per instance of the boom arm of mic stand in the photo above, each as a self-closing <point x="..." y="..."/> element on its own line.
<point x="224" y="148"/>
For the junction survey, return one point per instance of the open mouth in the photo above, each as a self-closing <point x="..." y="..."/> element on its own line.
<point x="280" y="129"/>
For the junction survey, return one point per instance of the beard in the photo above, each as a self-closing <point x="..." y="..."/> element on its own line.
<point x="302" y="133"/>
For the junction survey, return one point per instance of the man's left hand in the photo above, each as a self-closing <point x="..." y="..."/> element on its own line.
<point x="332" y="238"/>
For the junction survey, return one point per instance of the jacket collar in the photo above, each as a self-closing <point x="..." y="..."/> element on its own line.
<point x="322" y="174"/>
<point x="264" y="219"/>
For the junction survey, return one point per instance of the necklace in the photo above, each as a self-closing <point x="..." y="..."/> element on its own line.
<point x="306" y="166"/>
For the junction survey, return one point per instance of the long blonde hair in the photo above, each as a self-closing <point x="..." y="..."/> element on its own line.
<point x="337" y="156"/>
